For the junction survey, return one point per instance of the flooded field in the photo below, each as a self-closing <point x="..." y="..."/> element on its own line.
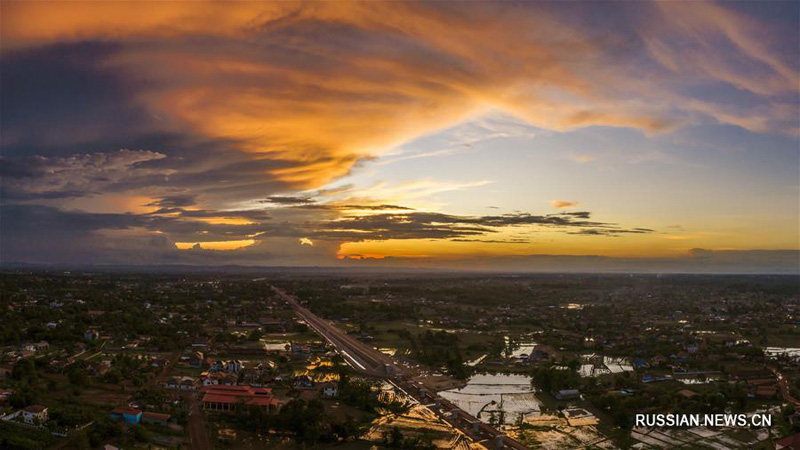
<point x="518" y="349"/>
<point x="774" y="352"/>
<point x="419" y="421"/>
<point x="699" y="380"/>
<point x="497" y="398"/>
<point x="596" y="365"/>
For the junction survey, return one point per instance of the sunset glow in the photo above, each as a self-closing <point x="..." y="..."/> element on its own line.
<point x="427" y="134"/>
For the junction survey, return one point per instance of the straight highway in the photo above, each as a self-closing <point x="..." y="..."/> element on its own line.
<point x="370" y="361"/>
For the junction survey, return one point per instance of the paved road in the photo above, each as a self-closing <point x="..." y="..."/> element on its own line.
<point x="198" y="435"/>
<point x="373" y="362"/>
<point x="784" y="385"/>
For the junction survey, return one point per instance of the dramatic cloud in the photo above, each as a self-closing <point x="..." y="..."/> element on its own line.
<point x="149" y="130"/>
<point x="303" y="82"/>
<point x="138" y="239"/>
<point x="77" y="175"/>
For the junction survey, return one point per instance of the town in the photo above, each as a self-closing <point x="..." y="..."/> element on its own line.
<point x="298" y="359"/>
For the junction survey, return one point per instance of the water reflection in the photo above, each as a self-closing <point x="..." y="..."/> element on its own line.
<point x="497" y="399"/>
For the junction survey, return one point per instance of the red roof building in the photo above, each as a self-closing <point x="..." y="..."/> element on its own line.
<point x="789" y="443"/>
<point x="157" y="418"/>
<point x="222" y="398"/>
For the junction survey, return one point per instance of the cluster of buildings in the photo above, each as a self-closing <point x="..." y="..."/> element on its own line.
<point x="30" y="415"/>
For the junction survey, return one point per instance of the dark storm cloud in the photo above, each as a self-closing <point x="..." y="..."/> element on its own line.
<point x="288" y="200"/>
<point x="174" y="201"/>
<point x="65" y="103"/>
<point x="31" y="229"/>
<point x="423" y="225"/>
<point x="309" y="203"/>
<point x="70" y="237"/>
<point x="78" y="175"/>
<point x="352" y="206"/>
<point x="207" y="171"/>
<point x="63" y="98"/>
<point x="252" y="214"/>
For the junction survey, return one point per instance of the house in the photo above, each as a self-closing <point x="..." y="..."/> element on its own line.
<point x="647" y="378"/>
<point x="567" y="394"/>
<point x="172" y="383"/>
<point x="216" y="366"/>
<point x="219" y="378"/>
<point x="208" y="381"/>
<point x="230" y="398"/>
<point x="233" y="366"/>
<point x="577" y="417"/>
<point x="658" y="360"/>
<point x="127" y="414"/>
<point x="300" y="349"/>
<point x="250" y="376"/>
<point x="303" y="382"/>
<point x="196" y="359"/>
<point x="155" y="418"/>
<point x="91" y="335"/>
<point x="187" y="384"/>
<point x="35" y="414"/>
<point x="330" y="389"/>
<point x="265" y="367"/>
<point x="27" y="348"/>
<point x="35" y="346"/>
<point x="766" y="391"/>
<point x="180" y="383"/>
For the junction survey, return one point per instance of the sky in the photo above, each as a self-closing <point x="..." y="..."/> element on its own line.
<point x="543" y="136"/>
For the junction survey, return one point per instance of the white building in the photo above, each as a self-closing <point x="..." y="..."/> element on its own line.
<point x="34" y="414"/>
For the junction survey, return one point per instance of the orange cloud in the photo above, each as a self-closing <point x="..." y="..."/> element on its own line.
<point x="563" y="204"/>
<point x="323" y="85"/>
<point x="215" y="245"/>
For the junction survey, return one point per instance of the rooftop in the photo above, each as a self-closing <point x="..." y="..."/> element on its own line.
<point x="126" y="410"/>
